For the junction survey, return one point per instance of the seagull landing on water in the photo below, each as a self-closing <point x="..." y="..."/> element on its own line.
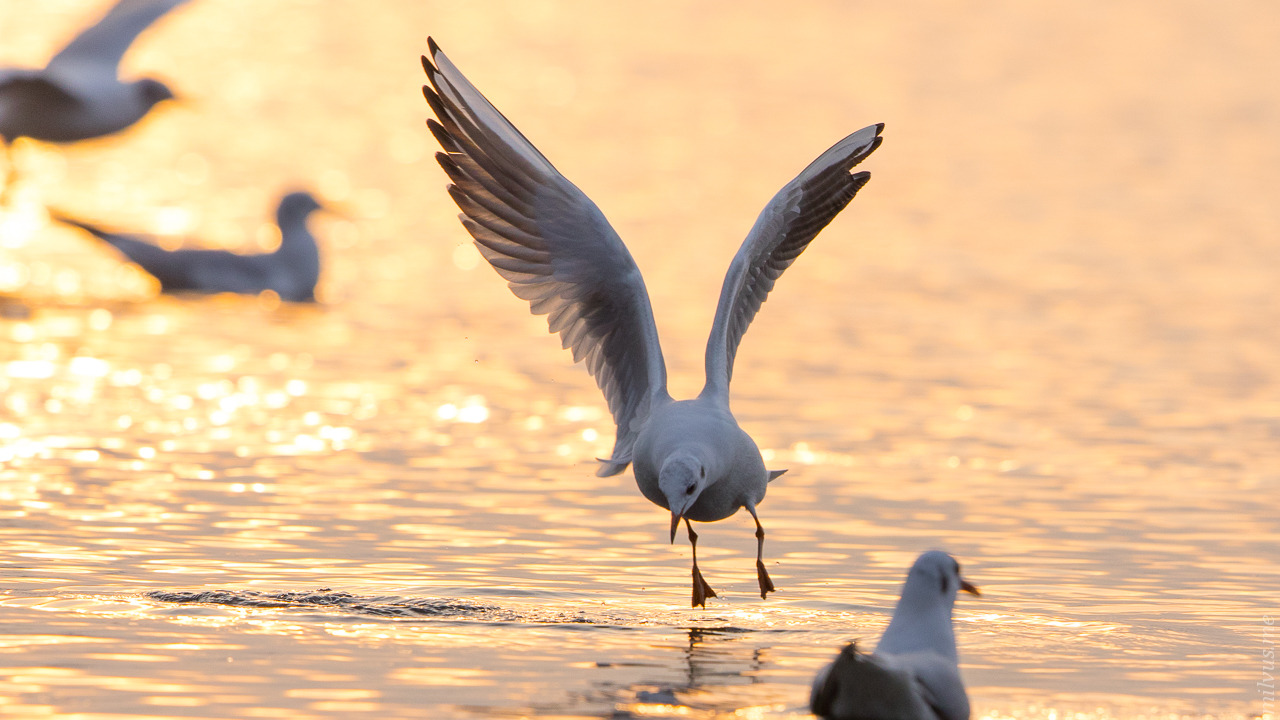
<point x="79" y="95"/>
<point x="556" y="250"/>
<point x="291" y="271"/>
<point x="914" y="673"/>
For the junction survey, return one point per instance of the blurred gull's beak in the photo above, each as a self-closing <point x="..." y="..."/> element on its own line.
<point x="338" y="209"/>
<point x="965" y="585"/>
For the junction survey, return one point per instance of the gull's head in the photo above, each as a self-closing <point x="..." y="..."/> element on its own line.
<point x="298" y="205"/>
<point x="936" y="576"/>
<point x="153" y="91"/>
<point x="681" y="479"/>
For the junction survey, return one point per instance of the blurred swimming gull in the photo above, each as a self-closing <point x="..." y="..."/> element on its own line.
<point x="557" y="251"/>
<point x="78" y="95"/>
<point x="291" y="271"/>
<point x="914" y="673"/>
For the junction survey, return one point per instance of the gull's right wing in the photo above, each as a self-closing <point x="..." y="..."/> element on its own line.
<point x="554" y="247"/>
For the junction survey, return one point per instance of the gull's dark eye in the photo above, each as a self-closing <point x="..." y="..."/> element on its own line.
<point x="689" y="490"/>
<point x="702" y="472"/>
<point x="944" y="584"/>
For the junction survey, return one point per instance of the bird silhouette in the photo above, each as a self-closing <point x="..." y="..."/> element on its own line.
<point x="291" y="271"/>
<point x="78" y="95"/>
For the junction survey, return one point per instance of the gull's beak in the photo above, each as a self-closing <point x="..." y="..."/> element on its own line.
<point x="338" y="209"/>
<point x="967" y="586"/>
<point x="675" y="523"/>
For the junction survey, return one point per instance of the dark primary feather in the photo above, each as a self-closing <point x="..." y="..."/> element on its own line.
<point x="793" y="218"/>
<point x="553" y="245"/>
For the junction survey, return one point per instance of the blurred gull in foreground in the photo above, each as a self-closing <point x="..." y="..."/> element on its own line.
<point x="914" y="673"/>
<point x="79" y="95"/>
<point x="291" y="271"/>
<point x="557" y="251"/>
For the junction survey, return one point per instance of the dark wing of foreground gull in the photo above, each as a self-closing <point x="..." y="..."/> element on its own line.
<point x="554" y="247"/>
<point x="857" y="680"/>
<point x="794" y="217"/>
<point x="94" y="55"/>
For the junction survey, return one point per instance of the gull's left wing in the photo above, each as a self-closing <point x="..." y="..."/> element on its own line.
<point x="98" y="49"/>
<point x="784" y="229"/>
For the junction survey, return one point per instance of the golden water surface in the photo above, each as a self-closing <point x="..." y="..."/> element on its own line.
<point x="1044" y="337"/>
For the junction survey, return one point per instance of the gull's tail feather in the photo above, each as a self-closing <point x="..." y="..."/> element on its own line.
<point x="142" y="253"/>
<point x="61" y="217"/>
<point x="611" y="467"/>
<point x="172" y="272"/>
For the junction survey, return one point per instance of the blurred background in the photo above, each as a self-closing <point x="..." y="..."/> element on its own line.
<point x="1043" y="337"/>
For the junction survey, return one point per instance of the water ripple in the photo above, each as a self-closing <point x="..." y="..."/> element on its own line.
<point x="384" y="606"/>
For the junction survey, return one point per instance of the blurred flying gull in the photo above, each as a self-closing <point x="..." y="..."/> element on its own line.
<point x="914" y="673"/>
<point x="79" y="95"/>
<point x="291" y="271"/>
<point x="557" y="251"/>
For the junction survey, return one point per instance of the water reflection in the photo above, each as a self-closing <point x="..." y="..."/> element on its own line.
<point x="712" y="664"/>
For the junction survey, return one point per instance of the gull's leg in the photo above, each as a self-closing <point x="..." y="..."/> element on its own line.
<point x="701" y="590"/>
<point x="762" y="575"/>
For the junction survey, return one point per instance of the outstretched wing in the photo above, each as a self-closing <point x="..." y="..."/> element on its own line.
<point x="784" y="229"/>
<point x="554" y="247"/>
<point x="97" y="50"/>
